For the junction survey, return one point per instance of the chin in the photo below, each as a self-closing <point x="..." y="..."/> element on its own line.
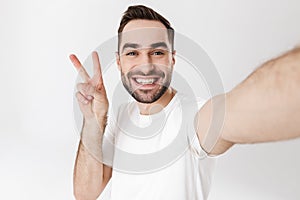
<point x="149" y="98"/>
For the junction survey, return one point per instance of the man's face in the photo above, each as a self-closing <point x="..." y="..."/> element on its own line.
<point x="145" y="60"/>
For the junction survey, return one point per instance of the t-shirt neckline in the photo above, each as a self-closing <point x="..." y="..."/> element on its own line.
<point x="166" y="109"/>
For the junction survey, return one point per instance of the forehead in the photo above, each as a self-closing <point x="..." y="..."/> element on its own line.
<point x="144" y="33"/>
<point x="141" y="23"/>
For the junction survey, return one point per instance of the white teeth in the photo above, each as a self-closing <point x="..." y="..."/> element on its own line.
<point x="145" y="81"/>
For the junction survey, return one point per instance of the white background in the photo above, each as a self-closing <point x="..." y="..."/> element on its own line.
<point x="38" y="140"/>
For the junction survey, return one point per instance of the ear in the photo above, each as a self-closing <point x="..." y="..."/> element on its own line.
<point x="118" y="60"/>
<point x="173" y="57"/>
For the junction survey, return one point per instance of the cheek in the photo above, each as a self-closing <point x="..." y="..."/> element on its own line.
<point x="126" y="66"/>
<point x="166" y="63"/>
<point x="167" y="60"/>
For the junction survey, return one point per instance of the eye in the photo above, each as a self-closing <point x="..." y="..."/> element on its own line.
<point x="158" y="53"/>
<point x="131" y="53"/>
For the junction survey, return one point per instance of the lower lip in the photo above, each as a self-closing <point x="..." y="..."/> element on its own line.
<point x="139" y="86"/>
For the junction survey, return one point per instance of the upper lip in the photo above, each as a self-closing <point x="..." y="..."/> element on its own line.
<point x="145" y="77"/>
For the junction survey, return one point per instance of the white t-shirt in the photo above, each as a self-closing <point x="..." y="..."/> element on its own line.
<point x="156" y="157"/>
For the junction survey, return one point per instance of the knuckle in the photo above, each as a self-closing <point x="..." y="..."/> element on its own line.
<point x="90" y="89"/>
<point x="79" y="86"/>
<point x="77" y="94"/>
<point x="83" y="87"/>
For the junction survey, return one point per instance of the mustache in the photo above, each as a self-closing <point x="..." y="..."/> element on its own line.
<point x="152" y="72"/>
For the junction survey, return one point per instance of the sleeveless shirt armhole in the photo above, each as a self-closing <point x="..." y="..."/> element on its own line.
<point x="198" y="151"/>
<point x="195" y="145"/>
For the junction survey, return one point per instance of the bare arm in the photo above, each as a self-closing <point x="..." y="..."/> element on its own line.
<point x="90" y="174"/>
<point x="265" y="107"/>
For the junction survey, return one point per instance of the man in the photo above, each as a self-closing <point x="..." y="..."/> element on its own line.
<point x="264" y="107"/>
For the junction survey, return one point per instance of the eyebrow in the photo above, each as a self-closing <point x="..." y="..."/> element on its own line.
<point x="159" y="44"/>
<point x="130" y="45"/>
<point x="135" y="45"/>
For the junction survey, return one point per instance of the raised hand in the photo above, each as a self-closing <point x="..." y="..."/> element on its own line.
<point x="91" y="93"/>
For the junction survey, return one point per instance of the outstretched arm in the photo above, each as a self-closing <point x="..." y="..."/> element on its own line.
<point x="264" y="107"/>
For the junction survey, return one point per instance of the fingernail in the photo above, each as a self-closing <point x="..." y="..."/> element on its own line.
<point x="85" y="101"/>
<point x="89" y="97"/>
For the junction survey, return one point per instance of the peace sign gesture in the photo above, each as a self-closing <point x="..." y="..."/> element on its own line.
<point x="91" y="94"/>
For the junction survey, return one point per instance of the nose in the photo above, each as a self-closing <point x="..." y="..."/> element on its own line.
<point x="146" y="63"/>
<point x="145" y="58"/>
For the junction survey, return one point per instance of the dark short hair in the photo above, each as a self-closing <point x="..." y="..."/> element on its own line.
<point x="143" y="12"/>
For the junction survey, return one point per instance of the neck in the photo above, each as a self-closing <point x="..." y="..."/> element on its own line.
<point x="155" y="107"/>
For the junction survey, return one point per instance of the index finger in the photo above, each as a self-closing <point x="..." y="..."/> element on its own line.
<point x="97" y="69"/>
<point x="82" y="72"/>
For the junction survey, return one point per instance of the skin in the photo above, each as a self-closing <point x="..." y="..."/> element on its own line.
<point x="90" y="174"/>
<point x="264" y="107"/>
<point x="137" y="32"/>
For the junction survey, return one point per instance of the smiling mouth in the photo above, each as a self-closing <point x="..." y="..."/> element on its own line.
<point x="146" y="82"/>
